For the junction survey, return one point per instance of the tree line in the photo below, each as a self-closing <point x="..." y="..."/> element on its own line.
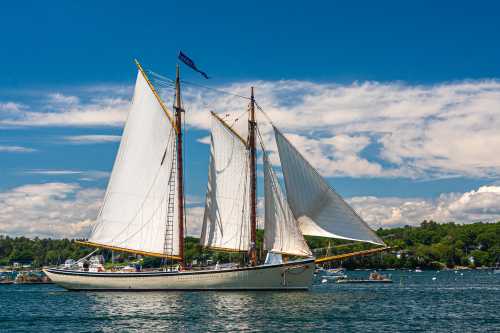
<point x="430" y="245"/>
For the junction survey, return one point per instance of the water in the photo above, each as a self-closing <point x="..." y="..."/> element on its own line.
<point x="414" y="302"/>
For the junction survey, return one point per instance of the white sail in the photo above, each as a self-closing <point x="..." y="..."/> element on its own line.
<point x="226" y="222"/>
<point x="281" y="230"/>
<point x="136" y="206"/>
<point x="319" y="210"/>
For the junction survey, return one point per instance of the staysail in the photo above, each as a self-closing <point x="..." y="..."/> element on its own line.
<point x="281" y="230"/>
<point x="226" y="219"/>
<point x="319" y="210"/>
<point x="141" y="199"/>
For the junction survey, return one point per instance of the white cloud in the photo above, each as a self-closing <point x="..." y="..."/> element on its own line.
<point x="64" y="100"/>
<point x="204" y="140"/>
<point x="68" y="210"/>
<point x="414" y="131"/>
<point x="194" y="220"/>
<point x="10" y="107"/>
<point x="473" y="206"/>
<point x="49" y="210"/>
<point x="63" y="210"/>
<point x="68" y="110"/>
<point x="366" y="129"/>
<point x="16" y="149"/>
<point x="85" y="175"/>
<point x="92" y="138"/>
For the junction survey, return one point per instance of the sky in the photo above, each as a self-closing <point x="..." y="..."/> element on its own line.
<point x="395" y="103"/>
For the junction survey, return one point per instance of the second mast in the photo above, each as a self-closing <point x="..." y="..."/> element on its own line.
<point x="180" y="170"/>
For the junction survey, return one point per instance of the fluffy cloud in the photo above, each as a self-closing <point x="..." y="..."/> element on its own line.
<point x="68" y="210"/>
<point x="49" y="210"/>
<point x="58" y="109"/>
<point x="411" y="131"/>
<point x="10" y="107"/>
<point x="92" y="138"/>
<point x="16" y="149"/>
<point x="84" y="175"/>
<point x="63" y="210"/>
<point x="468" y="207"/>
<point x="367" y="129"/>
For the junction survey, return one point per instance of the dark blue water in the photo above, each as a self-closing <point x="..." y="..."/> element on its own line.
<point x="414" y="302"/>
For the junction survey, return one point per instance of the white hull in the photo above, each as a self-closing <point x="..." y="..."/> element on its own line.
<point x="296" y="275"/>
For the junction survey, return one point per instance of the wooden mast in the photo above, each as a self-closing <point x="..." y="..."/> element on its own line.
<point x="180" y="178"/>
<point x="253" y="180"/>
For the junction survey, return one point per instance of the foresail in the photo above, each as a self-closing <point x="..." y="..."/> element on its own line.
<point x="319" y="210"/>
<point x="226" y="222"/>
<point x="281" y="230"/>
<point x="140" y="199"/>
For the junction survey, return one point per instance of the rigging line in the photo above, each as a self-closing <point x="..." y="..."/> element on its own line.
<point x="183" y="168"/>
<point x="167" y="83"/>
<point x="238" y="118"/>
<point x="198" y="85"/>
<point x="146" y="197"/>
<point x="85" y="258"/>
<point x="143" y="224"/>
<point x="264" y="113"/>
<point x="261" y="140"/>
<point x="217" y="90"/>
<point x="162" y="77"/>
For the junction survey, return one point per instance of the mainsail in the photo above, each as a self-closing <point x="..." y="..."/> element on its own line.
<point x="226" y="219"/>
<point x="141" y="197"/>
<point x="281" y="230"/>
<point x="319" y="210"/>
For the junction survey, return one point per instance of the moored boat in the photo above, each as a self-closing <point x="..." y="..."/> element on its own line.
<point x="374" y="277"/>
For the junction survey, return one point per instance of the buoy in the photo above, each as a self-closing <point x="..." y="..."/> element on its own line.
<point x="434" y="278"/>
<point x="324" y="281"/>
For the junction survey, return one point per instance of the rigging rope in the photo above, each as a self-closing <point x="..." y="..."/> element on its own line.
<point x="264" y="113"/>
<point x="140" y="209"/>
<point x="166" y="79"/>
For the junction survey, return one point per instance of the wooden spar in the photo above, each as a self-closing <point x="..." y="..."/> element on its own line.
<point x="223" y="249"/>
<point x="229" y="128"/>
<point x="253" y="180"/>
<point x="352" y="254"/>
<point x="180" y="176"/>
<point x="122" y="249"/>
<point x="160" y="101"/>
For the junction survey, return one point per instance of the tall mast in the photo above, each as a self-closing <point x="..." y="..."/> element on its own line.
<point x="180" y="178"/>
<point x="253" y="180"/>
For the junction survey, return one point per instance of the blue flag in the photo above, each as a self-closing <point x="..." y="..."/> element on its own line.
<point x="185" y="59"/>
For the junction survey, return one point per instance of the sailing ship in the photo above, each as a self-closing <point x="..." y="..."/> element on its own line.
<point x="143" y="208"/>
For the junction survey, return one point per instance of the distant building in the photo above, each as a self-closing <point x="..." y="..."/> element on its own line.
<point x="21" y="263"/>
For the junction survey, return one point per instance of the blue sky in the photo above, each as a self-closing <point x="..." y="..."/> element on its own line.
<point x="397" y="87"/>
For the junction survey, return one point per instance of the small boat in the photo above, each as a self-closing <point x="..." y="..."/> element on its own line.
<point x="5" y="280"/>
<point x="375" y="277"/>
<point x="32" y="277"/>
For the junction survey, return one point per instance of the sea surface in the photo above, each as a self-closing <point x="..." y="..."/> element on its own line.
<point x="463" y="301"/>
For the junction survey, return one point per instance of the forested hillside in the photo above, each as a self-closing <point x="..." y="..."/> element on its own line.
<point x="430" y="245"/>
